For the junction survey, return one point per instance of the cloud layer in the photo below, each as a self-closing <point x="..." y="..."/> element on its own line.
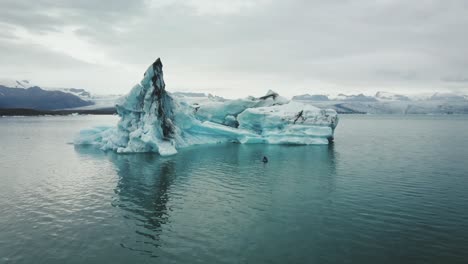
<point x="239" y="47"/>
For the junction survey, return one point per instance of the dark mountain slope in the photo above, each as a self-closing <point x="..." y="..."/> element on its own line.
<point x="36" y="98"/>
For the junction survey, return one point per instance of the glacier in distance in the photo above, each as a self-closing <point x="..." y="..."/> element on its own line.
<point x="153" y="120"/>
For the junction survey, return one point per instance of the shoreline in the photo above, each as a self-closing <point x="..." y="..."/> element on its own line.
<point x="35" y="112"/>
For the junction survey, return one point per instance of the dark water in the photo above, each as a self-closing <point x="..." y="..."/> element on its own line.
<point x="390" y="190"/>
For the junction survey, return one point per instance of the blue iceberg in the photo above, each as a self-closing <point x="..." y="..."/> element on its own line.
<point x="152" y="120"/>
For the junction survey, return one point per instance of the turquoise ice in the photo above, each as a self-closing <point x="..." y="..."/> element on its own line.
<point x="152" y="120"/>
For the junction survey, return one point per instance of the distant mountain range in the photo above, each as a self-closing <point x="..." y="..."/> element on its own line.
<point x="37" y="98"/>
<point x="22" y="94"/>
<point x="391" y="103"/>
<point x="384" y="96"/>
<point x="15" y="94"/>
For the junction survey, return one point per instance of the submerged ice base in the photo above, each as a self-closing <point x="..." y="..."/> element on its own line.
<point x="151" y="120"/>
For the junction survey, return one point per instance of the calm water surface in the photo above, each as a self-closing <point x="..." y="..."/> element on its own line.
<point x="390" y="190"/>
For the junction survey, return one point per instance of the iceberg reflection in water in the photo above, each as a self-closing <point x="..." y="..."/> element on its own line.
<point x="221" y="201"/>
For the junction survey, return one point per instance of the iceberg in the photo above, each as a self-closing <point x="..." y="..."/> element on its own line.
<point x="152" y="120"/>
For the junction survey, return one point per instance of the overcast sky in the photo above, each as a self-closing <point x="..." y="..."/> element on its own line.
<point x="238" y="47"/>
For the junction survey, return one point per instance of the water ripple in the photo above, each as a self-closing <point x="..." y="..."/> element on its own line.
<point x="363" y="200"/>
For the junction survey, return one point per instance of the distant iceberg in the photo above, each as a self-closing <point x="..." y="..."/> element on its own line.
<point x="152" y="120"/>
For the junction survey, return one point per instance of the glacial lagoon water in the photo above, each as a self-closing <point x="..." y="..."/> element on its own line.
<point x="392" y="189"/>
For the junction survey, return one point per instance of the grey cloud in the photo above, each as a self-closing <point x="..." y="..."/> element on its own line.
<point x="365" y="44"/>
<point x="49" y="15"/>
<point x="23" y="55"/>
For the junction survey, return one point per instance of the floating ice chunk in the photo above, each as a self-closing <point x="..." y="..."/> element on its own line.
<point x="292" y="123"/>
<point x="151" y="120"/>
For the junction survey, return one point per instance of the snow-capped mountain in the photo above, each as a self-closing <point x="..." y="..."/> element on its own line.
<point x="451" y="97"/>
<point x="12" y="83"/>
<point x="355" y="98"/>
<point x="82" y="93"/>
<point x="391" y="96"/>
<point x="99" y="101"/>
